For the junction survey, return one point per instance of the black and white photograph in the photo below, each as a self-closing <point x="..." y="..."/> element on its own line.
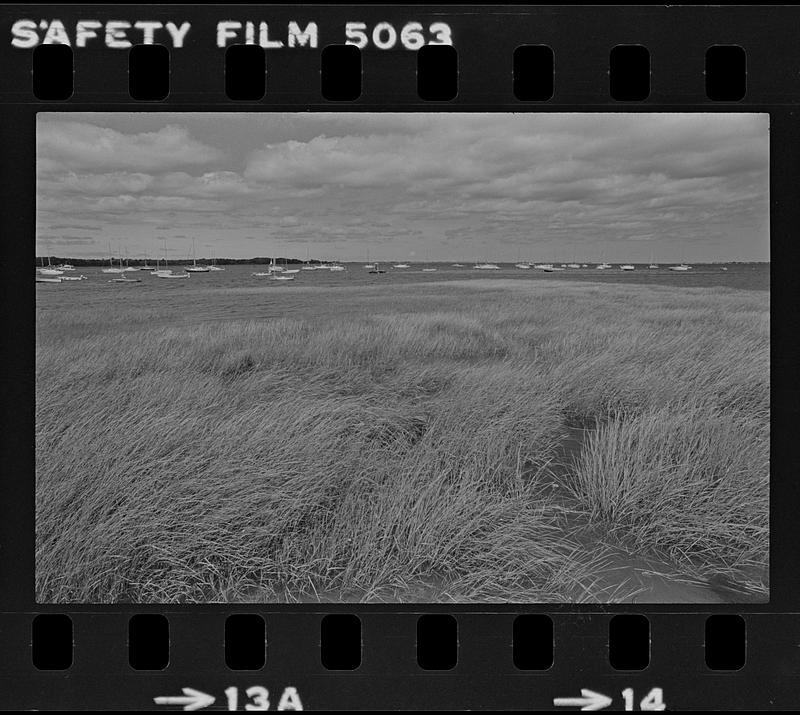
<point x="402" y="357"/>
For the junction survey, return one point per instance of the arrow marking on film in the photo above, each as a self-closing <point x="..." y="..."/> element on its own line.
<point x="191" y="699"/>
<point x="590" y="701"/>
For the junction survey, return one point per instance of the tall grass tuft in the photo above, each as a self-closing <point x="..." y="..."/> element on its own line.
<point x="688" y="480"/>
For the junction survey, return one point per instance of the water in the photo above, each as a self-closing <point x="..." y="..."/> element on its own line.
<point x="236" y="294"/>
<point x="746" y="276"/>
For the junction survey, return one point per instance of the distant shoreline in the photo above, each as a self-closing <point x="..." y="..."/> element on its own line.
<point x="261" y="260"/>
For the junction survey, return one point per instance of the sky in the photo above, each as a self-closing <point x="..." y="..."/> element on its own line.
<point x="391" y="186"/>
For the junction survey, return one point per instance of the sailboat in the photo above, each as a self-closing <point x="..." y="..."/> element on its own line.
<point x="682" y="266"/>
<point x="49" y="270"/>
<point x="124" y="279"/>
<point x="574" y="263"/>
<point x="214" y="266"/>
<point x="307" y="264"/>
<point x="166" y="269"/>
<point x="486" y="266"/>
<point x="369" y="266"/>
<point x="289" y="271"/>
<point x="111" y="268"/>
<point x="430" y="269"/>
<point x="627" y="267"/>
<point x="128" y="268"/>
<point x="194" y="268"/>
<point x="524" y="265"/>
<point x="49" y="274"/>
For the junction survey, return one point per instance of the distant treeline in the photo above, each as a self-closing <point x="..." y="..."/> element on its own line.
<point x="141" y="261"/>
<point x="260" y="260"/>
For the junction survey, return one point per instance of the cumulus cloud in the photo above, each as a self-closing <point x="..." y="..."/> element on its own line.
<point x="80" y="145"/>
<point x="420" y="183"/>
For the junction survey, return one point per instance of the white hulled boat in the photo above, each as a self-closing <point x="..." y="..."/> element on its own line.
<point x="49" y="270"/>
<point x="194" y="268"/>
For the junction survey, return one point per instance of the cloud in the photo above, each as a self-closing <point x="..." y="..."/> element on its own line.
<point x="415" y="181"/>
<point x="80" y="145"/>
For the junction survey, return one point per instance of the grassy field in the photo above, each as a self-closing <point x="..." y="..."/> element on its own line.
<point x="405" y="451"/>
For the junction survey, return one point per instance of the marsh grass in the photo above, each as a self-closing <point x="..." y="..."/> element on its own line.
<point x="388" y="456"/>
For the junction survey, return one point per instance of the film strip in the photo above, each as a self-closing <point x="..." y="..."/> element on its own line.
<point x="381" y="448"/>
